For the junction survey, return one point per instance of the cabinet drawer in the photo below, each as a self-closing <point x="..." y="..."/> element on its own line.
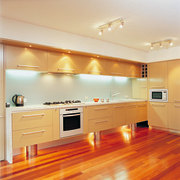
<point x="95" y="112"/>
<point x="32" y="119"/>
<point x="100" y="124"/>
<point x="31" y="136"/>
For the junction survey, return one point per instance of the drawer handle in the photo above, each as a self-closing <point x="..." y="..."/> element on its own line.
<point x="27" y="66"/>
<point x="119" y="106"/>
<point x="33" y="115"/>
<point x="101" y="122"/>
<point x="117" y="73"/>
<point x="177" y="101"/>
<point x="159" y="105"/>
<point x="34" y="132"/>
<point x="141" y="105"/>
<point x="65" y="69"/>
<point x="177" y="106"/>
<point x="97" y="109"/>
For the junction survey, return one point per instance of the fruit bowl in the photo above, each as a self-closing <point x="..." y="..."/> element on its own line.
<point x="96" y="99"/>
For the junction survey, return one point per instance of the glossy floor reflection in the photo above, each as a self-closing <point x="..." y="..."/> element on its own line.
<point x="124" y="154"/>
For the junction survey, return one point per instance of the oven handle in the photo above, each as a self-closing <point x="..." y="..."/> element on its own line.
<point x="70" y="115"/>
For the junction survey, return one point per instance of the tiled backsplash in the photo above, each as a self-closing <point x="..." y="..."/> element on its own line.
<point x="40" y="87"/>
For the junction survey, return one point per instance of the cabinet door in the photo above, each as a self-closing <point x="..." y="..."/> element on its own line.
<point x="131" y="113"/>
<point x="157" y="75"/>
<point x="133" y="70"/>
<point x="96" y="66"/>
<point x="157" y="114"/>
<point x="174" y="80"/>
<point x="25" y="58"/>
<point x="141" y="112"/>
<point x="174" y="116"/>
<point x="119" y="115"/>
<point x="117" y="68"/>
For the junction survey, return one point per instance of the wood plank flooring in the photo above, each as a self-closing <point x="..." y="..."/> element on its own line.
<point x="123" y="155"/>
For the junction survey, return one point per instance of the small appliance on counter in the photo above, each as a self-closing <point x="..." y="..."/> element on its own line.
<point x="18" y="100"/>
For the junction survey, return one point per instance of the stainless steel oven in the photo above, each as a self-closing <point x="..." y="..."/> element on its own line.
<point x="71" y="121"/>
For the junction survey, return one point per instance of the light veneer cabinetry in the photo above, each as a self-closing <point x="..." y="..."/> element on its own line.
<point x="157" y="75"/>
<point x="174" y="116"/>
<point x="133" y="70"/>
<point x="141" y="111"/>
<point x="25" y="58"/>
<point x="2" y="104"/>
<point x="131" y="113"/>
<point x="174" y="81"/>
<point x="157" y="114"/>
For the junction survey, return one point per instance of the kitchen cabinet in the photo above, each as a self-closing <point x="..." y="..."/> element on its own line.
<point x="56" y="124"/>
<point x="116" y="68"/>
<point x="157" y="114"/>
<point x="2" y="104"/>
<point x="97" y="118"/>
<point x="96" y="66"/>
<point x="25" y="58"/>
<point x="119" y="114"/>
<point x="141" y="111"/>
<point x="157" y="75"/>
<point x="131" y="113"/>
<point x="133" y="70"/>
<point x="174" y="81"/>
<point x="33" y="127"/>
<point x="66" y="63"/>
<point x="174" y="116"/>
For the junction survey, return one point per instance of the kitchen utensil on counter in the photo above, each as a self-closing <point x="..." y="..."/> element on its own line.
<point x="18" y="100"/>
<point x="96" y="99"/>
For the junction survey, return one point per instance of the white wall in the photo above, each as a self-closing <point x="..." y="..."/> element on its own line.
<point x="164" y="54"/>
<point x="25" y="32"/>
<point x="39" y="88"/>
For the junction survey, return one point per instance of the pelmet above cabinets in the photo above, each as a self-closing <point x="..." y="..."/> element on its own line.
<point x="57" y="62"/>
<point x="25" y="58"/>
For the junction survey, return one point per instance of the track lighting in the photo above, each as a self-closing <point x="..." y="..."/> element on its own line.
<point x="161" y="44"/>
<point x="108" y="26"/>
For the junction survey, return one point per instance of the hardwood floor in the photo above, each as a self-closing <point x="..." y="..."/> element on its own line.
<point x="127" y="155"/>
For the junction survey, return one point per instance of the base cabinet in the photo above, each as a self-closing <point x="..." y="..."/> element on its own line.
<point x="141" y="112"/>
<point x="157" y="114"/>
<point x="131" y="113"/>
<point x="174" y="116"/>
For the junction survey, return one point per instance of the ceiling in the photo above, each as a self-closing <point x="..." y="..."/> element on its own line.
<point x="145" y="21"/>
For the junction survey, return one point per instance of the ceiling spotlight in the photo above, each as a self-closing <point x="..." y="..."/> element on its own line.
<point x="101" y="32"/>
<point x="121" y="24"/>
<point x="171" y="43"/>
<point x="109" y="27"/>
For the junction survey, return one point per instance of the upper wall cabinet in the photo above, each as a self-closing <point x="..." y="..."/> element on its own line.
<point x="133" y="70"/>
<point x="157" y="75"/>
<point x="66" y="63"/>
<point x="25" y="58"/>
<point x="174" y="81"/>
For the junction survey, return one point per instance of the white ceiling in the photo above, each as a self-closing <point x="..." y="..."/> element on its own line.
<point x="146" y="20"/>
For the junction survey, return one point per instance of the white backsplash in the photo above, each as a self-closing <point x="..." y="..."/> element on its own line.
<point x="38" y="87"/>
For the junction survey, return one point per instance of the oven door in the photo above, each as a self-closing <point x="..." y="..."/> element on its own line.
<point x="71" y="124"/>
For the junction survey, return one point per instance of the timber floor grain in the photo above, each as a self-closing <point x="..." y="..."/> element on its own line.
<point x="123" y="155"/>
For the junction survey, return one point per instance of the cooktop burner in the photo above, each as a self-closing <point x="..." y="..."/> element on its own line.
<point x="62" y="102"/>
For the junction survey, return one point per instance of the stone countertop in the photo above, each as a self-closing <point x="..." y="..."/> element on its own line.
<point x="83" y="104"/>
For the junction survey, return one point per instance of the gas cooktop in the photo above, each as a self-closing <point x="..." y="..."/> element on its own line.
<point x="62" y="102"/>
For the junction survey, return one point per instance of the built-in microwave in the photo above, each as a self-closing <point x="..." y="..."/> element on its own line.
<point x="158" y="95"/>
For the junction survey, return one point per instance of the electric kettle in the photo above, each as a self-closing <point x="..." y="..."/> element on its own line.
<point x="18" y="100"/>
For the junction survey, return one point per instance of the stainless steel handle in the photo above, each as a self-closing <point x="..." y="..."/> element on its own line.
<point x="71" y="115"/>
<point x="34" y="132"/>
<point x="101" y="122"/>
<point x="65" y="69"/>
<point x="132" y="106"/>
<point x="117" y="73"/>
<point x="160" y="105"/>
<point x="97" y="109"/>
<point x="33" y="115"/>
<point x="27" y="66"/>
<point x="119" y="106"/>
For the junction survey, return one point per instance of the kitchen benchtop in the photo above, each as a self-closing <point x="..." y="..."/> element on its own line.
<point x="83" y="104"/>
